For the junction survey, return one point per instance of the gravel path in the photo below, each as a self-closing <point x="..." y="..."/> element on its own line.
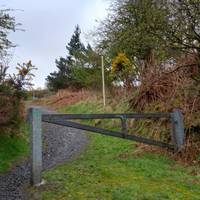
<point x="60" y="144"/>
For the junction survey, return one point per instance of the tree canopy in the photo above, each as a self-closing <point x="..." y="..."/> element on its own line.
<point x="7" y="24"/>
<point x="146" y="30"/>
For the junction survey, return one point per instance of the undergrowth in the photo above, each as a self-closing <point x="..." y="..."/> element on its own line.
<point x="13" y="148"/>
<point x="164" y="90"/>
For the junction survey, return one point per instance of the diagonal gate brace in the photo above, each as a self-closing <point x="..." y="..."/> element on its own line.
<point x="109" y="132"/>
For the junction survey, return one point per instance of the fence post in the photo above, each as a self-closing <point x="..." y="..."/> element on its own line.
<point x="178" y="129"/>
<point x="34" y="118"/>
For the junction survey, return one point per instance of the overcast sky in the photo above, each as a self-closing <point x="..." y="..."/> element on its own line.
<point x="48" y="26"/>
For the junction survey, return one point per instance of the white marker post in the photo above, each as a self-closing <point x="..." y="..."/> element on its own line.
<point x="103" y="81"/>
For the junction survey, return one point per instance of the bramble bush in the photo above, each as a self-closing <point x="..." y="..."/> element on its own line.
<point x="162" y="90"/>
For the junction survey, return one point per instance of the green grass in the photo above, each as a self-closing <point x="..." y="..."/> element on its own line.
<point x="12" y="149"/>
<point x="111" y="168"/>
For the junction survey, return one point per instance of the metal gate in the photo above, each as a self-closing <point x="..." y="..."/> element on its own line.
<point x="35" y="118"/>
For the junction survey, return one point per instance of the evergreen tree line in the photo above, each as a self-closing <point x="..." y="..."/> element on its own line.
<point x="80" y="68"/>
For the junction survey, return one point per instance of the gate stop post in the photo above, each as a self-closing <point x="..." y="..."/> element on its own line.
<point x="34" y="118"/>
<point x="178" y="129"/>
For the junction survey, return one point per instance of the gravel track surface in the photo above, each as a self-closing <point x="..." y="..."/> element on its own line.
<point x="60" y="144"/>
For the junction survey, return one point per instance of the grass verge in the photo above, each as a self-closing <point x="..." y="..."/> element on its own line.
<point x="111" y="168"/>
<point x="12" y="148"/>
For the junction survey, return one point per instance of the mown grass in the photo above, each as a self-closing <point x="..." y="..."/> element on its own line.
<point x="111" y="168"/>
<point x="12" y="148"/>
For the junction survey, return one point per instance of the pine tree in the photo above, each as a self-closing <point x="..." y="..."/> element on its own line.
<point x="61" y="78"/>
<point x="80" y="68"/>
<point x="75" y="47"/>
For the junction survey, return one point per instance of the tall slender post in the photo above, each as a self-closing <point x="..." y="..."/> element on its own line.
<point x="103" y="81"/>
<point x="34" y="117"/>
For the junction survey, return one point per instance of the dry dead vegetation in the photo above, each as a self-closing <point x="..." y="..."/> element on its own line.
<point x="11" y="114"/>
<point x="63" y="98"/>
<point x="164" y="90"/>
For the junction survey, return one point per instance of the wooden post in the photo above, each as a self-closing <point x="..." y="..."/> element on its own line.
<point x="34" y="117"/>
<point x="178" y="129"/>
<point x="103" y="81"/>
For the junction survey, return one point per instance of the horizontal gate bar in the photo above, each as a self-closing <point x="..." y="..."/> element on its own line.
<point x="106" y="116"/>
<point x="109" y="132"/>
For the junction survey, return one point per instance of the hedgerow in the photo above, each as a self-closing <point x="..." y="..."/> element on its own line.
<point x="12" y="94"/>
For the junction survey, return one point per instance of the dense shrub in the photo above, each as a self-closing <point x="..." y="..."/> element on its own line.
<point x="90" y="78"/>
<point x="122" y="70"/>
<point x="166" y="89"/>
<point x="12" y="94"/>
<point x="11" y="112"/>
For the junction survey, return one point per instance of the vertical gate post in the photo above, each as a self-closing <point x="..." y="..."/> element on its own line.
<point x="124" y="127"/>
<point x="34" y="118"/>
<point x="178" y="129"/>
